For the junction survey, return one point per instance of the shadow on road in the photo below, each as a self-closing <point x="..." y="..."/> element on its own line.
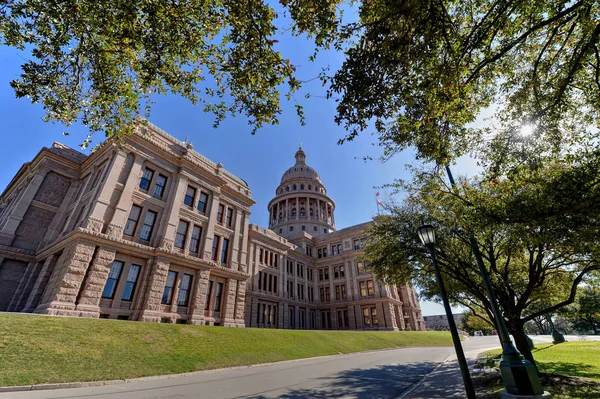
<point x="378" y="382"/>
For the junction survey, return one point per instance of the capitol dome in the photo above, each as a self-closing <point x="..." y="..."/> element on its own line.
<point x="301" y="204"/>
<point x="300" y="170"/>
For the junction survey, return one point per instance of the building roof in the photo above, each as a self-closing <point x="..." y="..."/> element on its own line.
<point x="300" y="170"/>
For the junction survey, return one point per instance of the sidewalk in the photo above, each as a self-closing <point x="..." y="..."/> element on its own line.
<point x="445" y="381"/>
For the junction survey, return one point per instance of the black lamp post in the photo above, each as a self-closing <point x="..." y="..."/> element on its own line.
<point x="427" y="236"/>
<point x="520" y="377"/>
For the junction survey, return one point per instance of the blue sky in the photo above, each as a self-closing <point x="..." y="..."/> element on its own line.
<point x="260" y="159"/>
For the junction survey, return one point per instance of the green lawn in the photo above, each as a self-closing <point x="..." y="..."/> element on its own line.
<point x="575" y="359"/>
<point x="37" y="349"/>
<point x="579" y="359"/>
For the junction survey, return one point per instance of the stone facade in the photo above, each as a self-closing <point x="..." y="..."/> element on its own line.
<point x="151" y="230"/>
<point x="305" y="274"/>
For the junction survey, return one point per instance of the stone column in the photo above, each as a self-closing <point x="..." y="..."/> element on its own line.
<point x="156" y="286"/>
<point x="231" y="295"/>
<point x="95" y="219"/>
<point x="170" y="217"/>
<point x="210" y="228"/>
<point x="287" y="209"/>
<point x="40" y="284"/>
<point x="390" y="317"/>
<point x="351" y="318"/>
<point x="175" y="293"/>
<point x="297" y="208"/>
<point x="117" y="224"/>
<point x="21" y="291"/>
<point x="91" y="292"/>
<point x="239" y="304"/>
<point x="67" y="279"/>
<point x="244" y="260"/>
<point x="234" y="260"/>
<point x="7" y="234"/>
<point x="196" y="315"/>
<point x="399" y="317"/>
<point x="53" y="230"/>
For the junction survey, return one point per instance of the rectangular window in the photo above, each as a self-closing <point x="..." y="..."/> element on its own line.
<point x="327" y="294"/>
<point x="360" y="266"/>
<point x="338" y="293"/>
<point x="321" y="274"/>
<point x="370" y="287"/>
<point x="326" y="272"/>
<point x="202" y="202"/>
<point x="336" y="272"/>
<point x="159" y="186"/>
<point x="181" y="234"/>
<point x="334" y="250"/>
<point x="112" y="280"/>
<point x="363" y="289"/>
<point x="343" y="288"/>
<point x="229" y="218"/>
<point x="342" y="271"/>
<point x="215" y="247"/>
<point x="322" y="292"/>
<point x="168" y="292"/>
<point x="189" y="196"/>
<point x="146" y="179"/>
<point x="224" y="250"/>
<point x="356" y="245"/>
<point x="309" y="274"/>
<point x="184" y="290"/>
<point x="218" y="296"/>
<point x="132" y="220"/>
<point x="132" y="277"/>
<point x="195" y="239"/>
<point x="148" y="225"/>
<point x="366" y="317"/>
<point x="319" y="253"/>
<point x="220" y="211"/>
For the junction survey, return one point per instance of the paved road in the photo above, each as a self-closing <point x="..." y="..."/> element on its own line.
<point x="382" y="374"/>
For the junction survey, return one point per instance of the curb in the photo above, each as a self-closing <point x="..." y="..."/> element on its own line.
<point x="86" y="384"/>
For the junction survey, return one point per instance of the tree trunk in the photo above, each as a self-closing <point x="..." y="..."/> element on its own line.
<point x="518" y="333"/>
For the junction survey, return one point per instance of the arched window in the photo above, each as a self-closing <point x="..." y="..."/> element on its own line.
<point x="287" y="188"/>
<point x="294" y="212"/>
<point x="294" y="187"/>
<point x="317" y="188"/>
<point x="309" y="187"/>
<point x="302" y="187"/>
<point x="302" y="212"/>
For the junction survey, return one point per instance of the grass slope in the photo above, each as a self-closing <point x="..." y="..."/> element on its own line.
<point x="36" y="349"/>
<point x="579" y="359"/>
<point x="574" y="359"/>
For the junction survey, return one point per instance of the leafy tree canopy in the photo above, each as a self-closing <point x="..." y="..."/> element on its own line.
<point x="539" y="262"/>
<point x="417" y="71"/>
<point x="100" y="61"/>
<point x="423" y="70"/>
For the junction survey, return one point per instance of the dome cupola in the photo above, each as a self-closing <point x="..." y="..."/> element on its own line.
<point x="301" y="203"/>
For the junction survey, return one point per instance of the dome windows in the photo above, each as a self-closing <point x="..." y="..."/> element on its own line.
<point x="309" y="187"/>
<point x="287" y="189"/>
<point x="294" y="187"/>
<point x="302" y="187"/>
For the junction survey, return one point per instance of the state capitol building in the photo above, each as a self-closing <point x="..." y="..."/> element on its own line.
<point x="151" y="230"/>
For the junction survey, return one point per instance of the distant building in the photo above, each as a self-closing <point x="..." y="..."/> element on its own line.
<point x="154" y="231"/>
<point x="440" y="322"/>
